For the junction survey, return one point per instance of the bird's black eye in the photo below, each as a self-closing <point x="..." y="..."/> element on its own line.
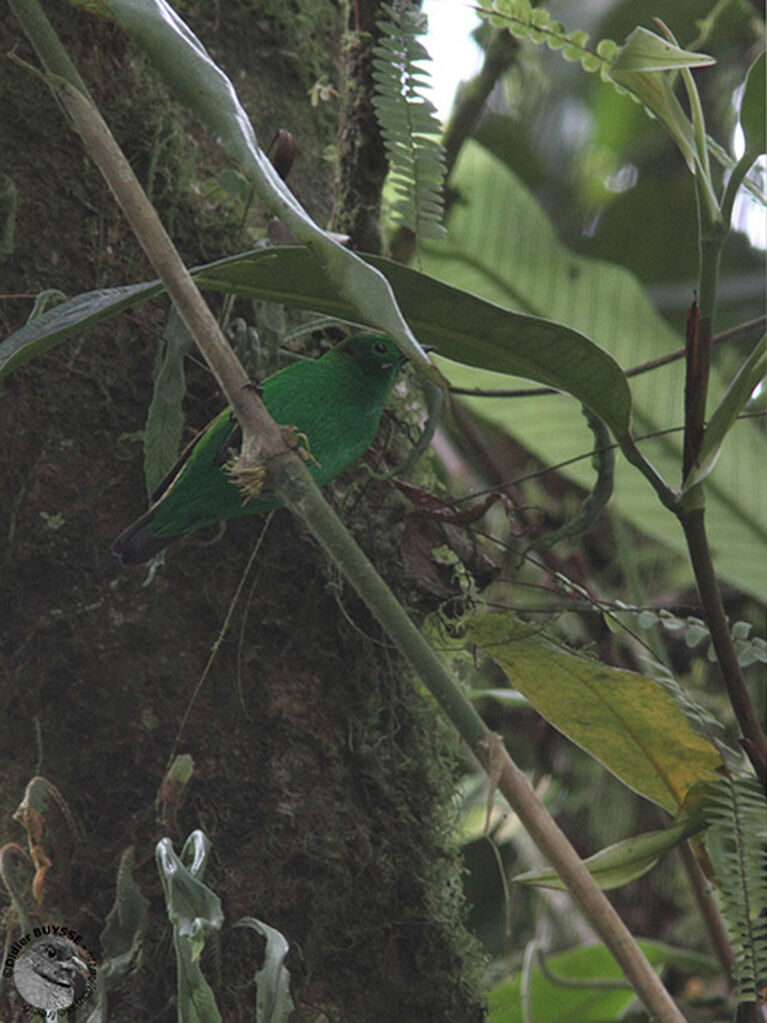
<point x="50" y="952"/>
<point x="381" y="348"/>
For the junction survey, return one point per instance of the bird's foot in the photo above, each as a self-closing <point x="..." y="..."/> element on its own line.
<point x="299" y="442"/>
<point x="250" y="481"/>
<point x="254" y="384"/>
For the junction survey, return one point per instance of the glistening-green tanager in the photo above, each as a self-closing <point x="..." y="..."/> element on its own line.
<point x="335" y="404"/>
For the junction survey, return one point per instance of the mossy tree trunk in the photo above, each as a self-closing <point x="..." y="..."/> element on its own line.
<point x="321" y="778"/>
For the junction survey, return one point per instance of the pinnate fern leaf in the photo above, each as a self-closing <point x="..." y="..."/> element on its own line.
<point x="408" y="121"/>
<point x="736" y="841"/>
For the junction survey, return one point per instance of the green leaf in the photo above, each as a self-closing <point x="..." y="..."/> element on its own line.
<point x="408" y="123"/>
<point x="639" y="67"/>
<point x="647" y="51"/>
<point x="753" y="109"/>
<point x="125" y="924"/>
<point x="749" y="376"/>
<point x="128" y="918"/>
<point x="624" y="720"/>
<point x="735" y="842"/>
<point x="195" y="913"/>
<point x="69" y="319"/>
<point x="622" y="862"/>
<point x="554" y="1003"/>
<point x="652" y="89"/>
<point x="274" y="1003"/>
<point x="193" y="909"/>
<point x="179" y="772"/>
<point x="165" y="418"/>
<point x="464" y="327"/>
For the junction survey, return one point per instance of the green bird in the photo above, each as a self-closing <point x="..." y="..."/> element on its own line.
<point x="335" y="402"/>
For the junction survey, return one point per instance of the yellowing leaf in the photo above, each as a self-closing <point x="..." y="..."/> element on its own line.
<point x="624" y="720"/>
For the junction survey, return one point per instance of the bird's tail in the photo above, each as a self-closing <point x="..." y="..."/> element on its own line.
<point x="139" y="542"/>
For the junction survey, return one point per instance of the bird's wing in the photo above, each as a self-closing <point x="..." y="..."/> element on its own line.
<point x="165" y="483"/>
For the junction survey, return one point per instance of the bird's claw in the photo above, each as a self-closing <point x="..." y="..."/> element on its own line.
<point x="254" y="384"/>
<point x="249" y="481"/>
<point x="299" y="442"/>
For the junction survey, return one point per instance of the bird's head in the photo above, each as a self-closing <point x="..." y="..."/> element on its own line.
<point x="376" y="354"/>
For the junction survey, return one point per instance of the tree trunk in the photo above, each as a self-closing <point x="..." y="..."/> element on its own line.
<point x="321" y="777"/>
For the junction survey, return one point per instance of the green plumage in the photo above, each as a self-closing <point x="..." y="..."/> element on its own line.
<point x="335" y="401"/>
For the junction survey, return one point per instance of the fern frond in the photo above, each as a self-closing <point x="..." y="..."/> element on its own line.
<point x="694" y="630"/>
<point x="407" y="120"/>
<point x="536" y="24"/>
<point x="736" y="842"/>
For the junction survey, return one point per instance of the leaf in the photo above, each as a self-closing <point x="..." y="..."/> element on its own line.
<point x="274" y="1003"/>
<point x="502" y="246"/>
<point x="553" y="1003"/>
<point x="647" y="51"/>
<point x="753" y="109"/>
<point x="165" y="418"/>
<point x="195" y="912"/>
<point x="749" y="376"/>
<point x="193" y="909"/>
<point x="69" y="319"/>
<point x="653" y="90"/>
<point x="125" y="924"/>
<point x="408" y="123"/>
<point x="735" y="842"/>
<point x="639" y="67"/>
<point x="624" y="720"/>
<point x="464" y="327"/>
<point x="622" y="862"/>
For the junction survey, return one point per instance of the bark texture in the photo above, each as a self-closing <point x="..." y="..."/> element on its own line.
<point x="321" y="778"/>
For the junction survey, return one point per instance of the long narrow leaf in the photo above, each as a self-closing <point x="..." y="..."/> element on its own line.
<point x="623" y="861"/>
<point x="463" y="327"/>
<point x="69" y="319"/>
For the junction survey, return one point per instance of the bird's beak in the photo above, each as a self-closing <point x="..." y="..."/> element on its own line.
<point x="427" y="348"/>
<point x="76" y="965"/>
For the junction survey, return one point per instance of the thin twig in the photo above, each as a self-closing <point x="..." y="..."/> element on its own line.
<point x="708" y="910"/>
